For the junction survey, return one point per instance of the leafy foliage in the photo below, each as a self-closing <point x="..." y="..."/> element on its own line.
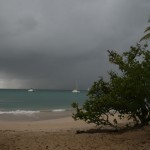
<point x="147" y="35"/>
<point x="124" y="95"/>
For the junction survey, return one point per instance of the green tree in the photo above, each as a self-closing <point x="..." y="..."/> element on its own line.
<point x="147" y="31"/>
<point x="125" y="94"/>
<point x="147" y="35"/>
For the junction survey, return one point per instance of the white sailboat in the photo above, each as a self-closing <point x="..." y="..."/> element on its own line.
<point x="75" y="90"/>
<point x="31" y="90"/>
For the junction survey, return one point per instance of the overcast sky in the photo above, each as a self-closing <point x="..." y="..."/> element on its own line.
<point x="54" y="43"/>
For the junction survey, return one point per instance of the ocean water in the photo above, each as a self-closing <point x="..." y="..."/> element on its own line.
<point x="38" y="104"/>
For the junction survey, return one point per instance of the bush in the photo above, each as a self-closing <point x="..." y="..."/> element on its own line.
<point x="126" y="94"/>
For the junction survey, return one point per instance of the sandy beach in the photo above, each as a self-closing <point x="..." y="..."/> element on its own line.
<point x="62" y="134"/>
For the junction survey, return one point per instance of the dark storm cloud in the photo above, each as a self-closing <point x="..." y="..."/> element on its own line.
<point x="51" y="44"/>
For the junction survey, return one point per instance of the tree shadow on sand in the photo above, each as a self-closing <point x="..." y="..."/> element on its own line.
<point x="108" y="130"/>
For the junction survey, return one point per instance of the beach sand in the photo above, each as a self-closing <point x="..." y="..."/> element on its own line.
<point x="61" y="134"/>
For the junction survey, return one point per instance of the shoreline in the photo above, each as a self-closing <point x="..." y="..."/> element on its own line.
<point x="34" y="115"/>
<point x="52" y="125"/>
<point x="49" y="121"/>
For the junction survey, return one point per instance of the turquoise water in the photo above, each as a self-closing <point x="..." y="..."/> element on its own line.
<point x="41" y="100"/>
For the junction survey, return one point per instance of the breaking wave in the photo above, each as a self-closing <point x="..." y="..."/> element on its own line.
<point x="19" y="112"/>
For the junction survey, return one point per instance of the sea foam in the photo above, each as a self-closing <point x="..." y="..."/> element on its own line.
<point x="58" y="110"/>
<point x="20" y="112"/>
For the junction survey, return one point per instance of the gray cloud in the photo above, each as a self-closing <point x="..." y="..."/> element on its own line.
<point x="51" y="44"/>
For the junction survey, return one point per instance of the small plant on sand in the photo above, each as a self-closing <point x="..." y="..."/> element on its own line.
<point x="125" y="95"/>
